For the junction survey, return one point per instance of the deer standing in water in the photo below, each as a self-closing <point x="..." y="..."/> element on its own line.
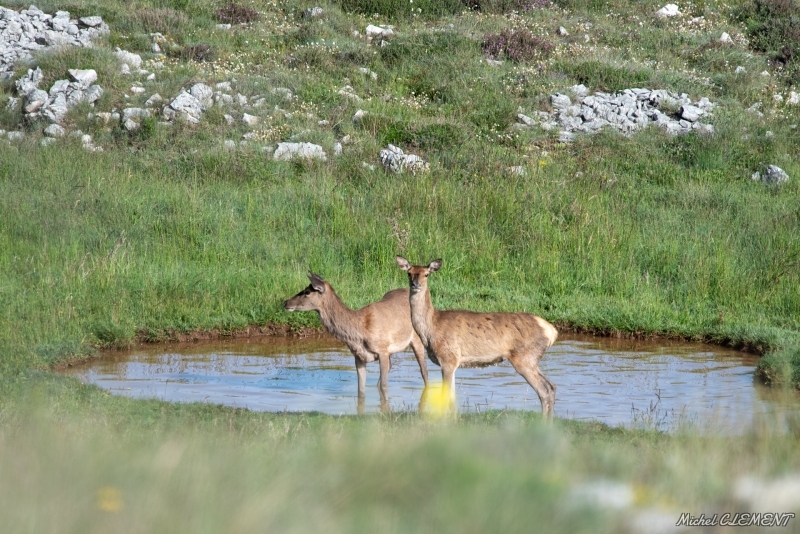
<point x="374" y="332"/>
<point x="458" y="338"/>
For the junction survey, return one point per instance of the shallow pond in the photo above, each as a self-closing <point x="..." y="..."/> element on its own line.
<point x="619" y="382"/>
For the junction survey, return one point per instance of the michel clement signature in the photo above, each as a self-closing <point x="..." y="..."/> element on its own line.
<point x="768" y="519"/>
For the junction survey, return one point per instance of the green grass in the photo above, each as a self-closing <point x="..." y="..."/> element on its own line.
<point x="165" y="231"/>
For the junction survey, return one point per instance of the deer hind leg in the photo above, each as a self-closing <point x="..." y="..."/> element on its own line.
<point x="419" y="352"/>
<point x="528" y="366"/>
<point x="361" y="371"/>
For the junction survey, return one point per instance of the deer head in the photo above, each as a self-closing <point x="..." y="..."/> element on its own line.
<point x="311" y="298"/>
<point x="417" y="274"/>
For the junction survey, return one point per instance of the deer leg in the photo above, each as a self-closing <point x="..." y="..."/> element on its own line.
<point x="361" y="371"/>
<point x="383" y="382"/>
<point x="528" y="367"/>
<point x="449" y="382"/>
<point x="419" y="352"/>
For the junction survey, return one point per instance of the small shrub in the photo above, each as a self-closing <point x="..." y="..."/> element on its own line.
<point x="233" y="13"/>
<point x="197" y="52"/>
<point x="162" y="20"/>
<point x="505" y="6"/>
<point x="773" y="27"/>
<point x="520" y="45"/>
<point x="602" y="76"/>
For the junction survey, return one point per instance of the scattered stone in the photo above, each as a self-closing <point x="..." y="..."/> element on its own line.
<point x="366" y="72"/>
<point x="566" y="137"/>
<point x="289" y="151"/>
<point x="560" y="101"/>
<point x="313" y="12"/>
<point x="287" y="93"/>
<point x="395" y="160"/>
<point x="86" y="141"/>
<point x="562" y="31"/>
<point x="203" y="93"/>
<point x="493" y="62"/>
<point x="773" y="175"/>
<point x="47" y="141"/>
<point x="223" y="26"/>
<point x="725" y="38"/>
<point x="230" y="144"/>
<point x="229" y="119"/>
<point x="517" y="170"/>
<point x="15" y="136"/>
<point x="668" y="11"/>
<point x="740" y="70"/>
<point x="525" y="120"/>
<point x="54" y="130"/>
<point x="346" y="139"/>
<point x="358" y="115"/>
<point x="765" y="73"/>
<point x="579" y="90"/>
<point x="777" y="97"/>
<point x="691" y="113"/>
<point x="84" y="77"/>
<point x="133" y="61"/>
<point x="379" y="32"/>
<point x="137" y="89"/>
<point x="323" y="122"/>
<point x="153" y="100"/>
<point x="337" y="149"/>
<point x="794" y="98"/>
<point x="348" y="92"/>
<point x="250" y="120"/>
<point x="223" y="86"/>
<point x="368" y="166"/>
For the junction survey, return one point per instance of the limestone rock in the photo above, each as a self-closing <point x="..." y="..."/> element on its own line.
<point x="289" y="151"/>
<point x="395" y="160"/>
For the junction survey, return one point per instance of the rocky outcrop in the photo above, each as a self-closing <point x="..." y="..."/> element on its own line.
<point x="290" y="151"/>
<point x="395" y="160"/>
<point x="772" y="175"/>
<point x="627" y="112"/>
<point x="54" y="104"/>
<point x="31" y="29"/>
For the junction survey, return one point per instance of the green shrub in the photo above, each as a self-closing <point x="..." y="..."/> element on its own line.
<point x="397" y="9"/>
<point x="600" y="76"/>
<point x="773" y="27"/>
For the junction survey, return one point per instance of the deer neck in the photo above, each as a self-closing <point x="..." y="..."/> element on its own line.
<point x="340" y="321"/>
<point x="422" y="314"/>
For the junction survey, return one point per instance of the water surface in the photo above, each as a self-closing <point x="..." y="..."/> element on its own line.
<point x="619" y="382"/>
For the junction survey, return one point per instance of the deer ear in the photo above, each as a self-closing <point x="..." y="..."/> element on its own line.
<point x="435" y="265"/>
<point x="317" y="282"/>
<point x="402" y="263"/>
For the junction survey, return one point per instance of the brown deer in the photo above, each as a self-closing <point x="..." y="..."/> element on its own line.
<point x="458" y="338"/>
<point x="374" y="332"/>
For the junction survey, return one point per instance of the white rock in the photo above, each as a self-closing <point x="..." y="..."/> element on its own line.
<point x="229" y="119"/>
<point x="765" y="73"/>
<point x="91" y="22"/>
<point x="15" y="136"/>
<point x="85" y="77"/>
<point x="133" y="61"/>
<point x="203" y="93"/>
<point x="358" y="115"/>
<point x="337" y="149"/>
<point x="137" y="90"/>
<point x="348" y="92"/>
<point x="794" y="98"/>
<point x="153" y="100"/>
<point x="151" y="77"/>
<point x="47" y="141"/>
<point x="365" y="71"/>
<point x="378" y="31"/>
<point x="691" y="113"/>
<point x="668" y="11"/>
<point x="250" y="120"/>
<point x="289" y="151"/>
<point x="139" y="113"/>
<point x="562" y="31"/>
<point x="54" y="130"/>
<point x="230" y="144"/>
<point x="395" y="160"/>
<point x="740" y="70"/>
<point x="223" y="26"/>
<point x="223" y="86"/>
<point x="725" y="38"/>
<point x="493" y="62"/>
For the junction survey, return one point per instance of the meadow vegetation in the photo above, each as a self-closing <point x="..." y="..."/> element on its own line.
<point x="166" y="231"/>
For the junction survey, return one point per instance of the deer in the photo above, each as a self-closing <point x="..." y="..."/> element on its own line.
<point x="460" y="338"/>
<point x="374" y="332"/>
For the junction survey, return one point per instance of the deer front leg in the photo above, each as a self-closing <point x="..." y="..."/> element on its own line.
<point x="419" y="352"/>
<point x="383" y="382"/>
<point x="449" y="382"/>
<point x="361" y="371"/>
